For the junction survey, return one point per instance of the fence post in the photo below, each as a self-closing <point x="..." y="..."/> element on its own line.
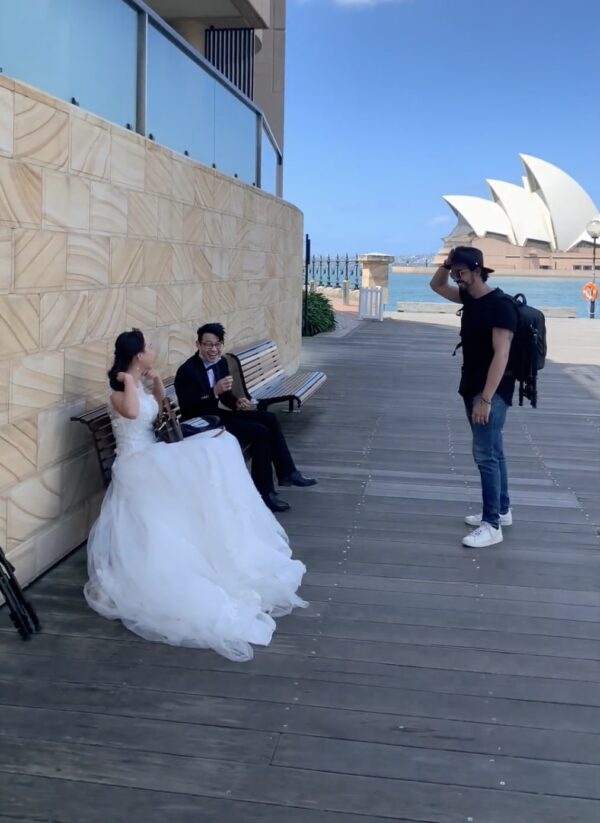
<point x="305" y="294"/>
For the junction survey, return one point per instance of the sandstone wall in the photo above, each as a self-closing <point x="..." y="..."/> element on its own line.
<point x="101" y="230"/>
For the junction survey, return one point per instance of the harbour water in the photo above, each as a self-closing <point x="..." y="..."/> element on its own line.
<point x="539" y="291"/>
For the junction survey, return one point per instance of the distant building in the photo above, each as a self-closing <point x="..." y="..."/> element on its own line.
<point x="539" y="225"/>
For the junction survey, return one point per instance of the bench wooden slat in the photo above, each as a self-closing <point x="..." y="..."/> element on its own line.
<point x="258" y="373"/>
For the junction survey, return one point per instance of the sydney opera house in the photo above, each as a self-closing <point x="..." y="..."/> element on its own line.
<point x="539" y="225"/>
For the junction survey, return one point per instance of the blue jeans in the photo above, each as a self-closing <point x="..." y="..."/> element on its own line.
<point x="488" y="453"/>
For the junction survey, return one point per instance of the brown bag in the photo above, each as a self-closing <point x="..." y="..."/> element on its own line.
<point x="167" y="427"/>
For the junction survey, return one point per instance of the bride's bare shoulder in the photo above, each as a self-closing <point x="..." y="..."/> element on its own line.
<point x="121" y="405"/>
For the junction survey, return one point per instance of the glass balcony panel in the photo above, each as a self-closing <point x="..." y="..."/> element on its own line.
<point x="181" y="100"/>
<point x="86" y="49"/>
<point x="235" y="136"/>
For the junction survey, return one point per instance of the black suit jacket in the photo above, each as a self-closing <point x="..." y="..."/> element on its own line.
<point x="194" y="393"/>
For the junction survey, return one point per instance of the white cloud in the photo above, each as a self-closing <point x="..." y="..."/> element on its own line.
<point x="439" y="220"/>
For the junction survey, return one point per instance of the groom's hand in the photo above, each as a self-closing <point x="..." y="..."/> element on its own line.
<point x="223" y="385"/>
<point x="243" y="404"/>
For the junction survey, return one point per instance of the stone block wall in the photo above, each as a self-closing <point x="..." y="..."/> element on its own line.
<point x="101" y="230"/>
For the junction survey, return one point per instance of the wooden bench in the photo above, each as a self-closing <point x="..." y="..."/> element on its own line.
<point x="263" y="380"/>
<point x="98" y="422"/>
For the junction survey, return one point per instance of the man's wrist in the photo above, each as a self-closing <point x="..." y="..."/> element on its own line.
<point x="487" y="402"/>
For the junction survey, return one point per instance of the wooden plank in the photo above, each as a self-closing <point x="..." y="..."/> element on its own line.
<point x="537" y="776"/>
<point x="460" y="602"/>
<point x="279" y="669"/>
<point x="299" y="788"/>
<point x="262" y="703"/>
<point x="139" y="734"/>
<point x="85" y="802"/>
<point x="504" y="592"/>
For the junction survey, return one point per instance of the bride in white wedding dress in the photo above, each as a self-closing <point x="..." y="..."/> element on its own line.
<point x="184" y="550"/>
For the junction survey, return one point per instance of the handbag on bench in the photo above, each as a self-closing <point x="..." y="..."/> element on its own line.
<point x="167" y="427"/>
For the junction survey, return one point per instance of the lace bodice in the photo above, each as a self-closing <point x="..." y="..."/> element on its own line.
<point x="134" y="435"/>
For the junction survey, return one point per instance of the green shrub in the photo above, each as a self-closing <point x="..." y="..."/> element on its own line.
<point x="320" y="316"/>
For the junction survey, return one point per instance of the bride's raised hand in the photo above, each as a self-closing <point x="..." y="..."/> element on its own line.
<point x="151" y="374"/>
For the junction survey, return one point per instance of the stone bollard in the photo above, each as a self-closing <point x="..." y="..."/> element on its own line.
<point x="376" y="271"/>
<point x="346" y="292"/>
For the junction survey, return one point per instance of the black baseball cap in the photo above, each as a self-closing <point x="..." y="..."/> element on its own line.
<point x="470" y="257"/>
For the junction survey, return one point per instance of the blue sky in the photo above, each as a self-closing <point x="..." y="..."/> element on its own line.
<point x="391" y="104"/>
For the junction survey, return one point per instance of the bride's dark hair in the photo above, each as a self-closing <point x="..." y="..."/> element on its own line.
<point x="127" y="346"/>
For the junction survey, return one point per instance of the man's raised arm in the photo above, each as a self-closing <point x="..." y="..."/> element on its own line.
<point x="440" y="285"/>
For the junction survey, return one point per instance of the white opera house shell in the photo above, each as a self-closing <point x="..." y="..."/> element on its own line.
<point x="539" y="225"/>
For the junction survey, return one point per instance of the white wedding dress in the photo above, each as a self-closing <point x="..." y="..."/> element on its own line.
<point x="184" y="550"/>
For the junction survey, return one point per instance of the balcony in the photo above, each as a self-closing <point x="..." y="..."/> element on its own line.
<point x="120" y="60"/>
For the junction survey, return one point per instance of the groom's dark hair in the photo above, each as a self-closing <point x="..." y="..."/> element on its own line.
<point x="212" y="328"/>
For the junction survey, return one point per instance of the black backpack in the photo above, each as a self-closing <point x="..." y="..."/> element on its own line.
<point x="528" y="349"/>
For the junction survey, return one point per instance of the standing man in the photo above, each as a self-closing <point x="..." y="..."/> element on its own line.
<point x="203" y="381"/>
<point x="488" y="323"/>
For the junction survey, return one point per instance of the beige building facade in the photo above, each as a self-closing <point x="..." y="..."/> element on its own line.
<point x="102" y="229"/>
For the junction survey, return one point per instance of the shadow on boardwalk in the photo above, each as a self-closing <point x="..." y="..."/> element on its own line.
<point x="425" y="682"/>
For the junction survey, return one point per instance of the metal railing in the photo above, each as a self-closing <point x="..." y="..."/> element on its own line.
<point x="331" y="272"/>
<point x="121" y="61"/>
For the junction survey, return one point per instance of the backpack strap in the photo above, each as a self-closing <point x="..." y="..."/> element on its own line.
<point x="459" y="344"/>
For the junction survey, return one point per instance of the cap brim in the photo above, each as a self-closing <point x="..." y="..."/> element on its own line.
<point x="487" y="271"/>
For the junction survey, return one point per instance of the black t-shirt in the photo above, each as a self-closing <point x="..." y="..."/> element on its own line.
<point x="494" y="310"/>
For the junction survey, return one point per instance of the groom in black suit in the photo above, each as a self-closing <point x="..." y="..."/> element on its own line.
<point x="203" y="381"/>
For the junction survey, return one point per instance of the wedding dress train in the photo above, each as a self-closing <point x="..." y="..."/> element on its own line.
<point x="184" y="550"/>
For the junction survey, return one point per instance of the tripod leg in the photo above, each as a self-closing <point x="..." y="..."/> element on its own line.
<point x="16" y="614"/>
<point x="7" y="570"/>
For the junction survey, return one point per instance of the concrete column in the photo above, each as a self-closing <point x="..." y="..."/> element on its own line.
<point x="191" y="29"/>
<point x="376" y="271"/>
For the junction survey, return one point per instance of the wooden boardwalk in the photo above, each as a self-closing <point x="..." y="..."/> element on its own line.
<point x="425" y="682"/>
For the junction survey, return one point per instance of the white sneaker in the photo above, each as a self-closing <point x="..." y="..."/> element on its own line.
<point x="485" y="535"/>
<point x="475" y="519"/>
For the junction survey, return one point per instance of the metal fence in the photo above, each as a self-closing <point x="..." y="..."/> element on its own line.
<point x="332" y="271"/>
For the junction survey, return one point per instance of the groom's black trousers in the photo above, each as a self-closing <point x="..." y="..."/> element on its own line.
<point x="261" y="431"/>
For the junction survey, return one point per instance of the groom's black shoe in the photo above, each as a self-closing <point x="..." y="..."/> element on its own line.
<point x="275" y="503"/>
<point x="296" y="478"/>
